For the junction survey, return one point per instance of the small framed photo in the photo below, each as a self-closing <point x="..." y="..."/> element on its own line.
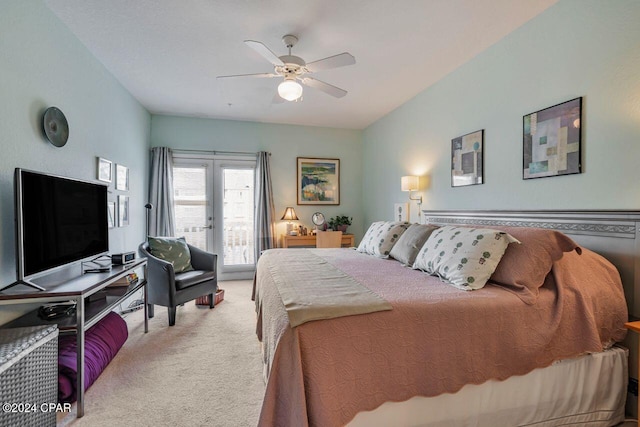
<point x="467" y="159"/>
<point x="122" y="178"/>
<point x="105" y="171"/>
<point x="401" y="212"/>
<point x="123" y="211"/>
<point x="318" y="181"/>
<point x="111" y="214"/>
<point x="551" y="141"/>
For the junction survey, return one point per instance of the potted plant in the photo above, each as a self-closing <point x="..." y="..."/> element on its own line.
<point x="340" y="223"/>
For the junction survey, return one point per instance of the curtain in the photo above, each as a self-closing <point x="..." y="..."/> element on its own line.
<point x="161" y="216"/>
<point x="264" y="230"/>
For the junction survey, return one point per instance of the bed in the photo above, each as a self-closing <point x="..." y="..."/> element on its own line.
<point x="418" y="351"/>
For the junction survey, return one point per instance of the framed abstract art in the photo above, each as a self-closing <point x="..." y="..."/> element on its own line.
<point x="467" y="159"/>
<point x="551" y="143"/>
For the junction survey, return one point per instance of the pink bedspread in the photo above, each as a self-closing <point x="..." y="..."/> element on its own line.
<point x="435" y="340"/>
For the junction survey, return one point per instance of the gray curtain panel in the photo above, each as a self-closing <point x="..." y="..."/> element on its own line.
<point x="162" y="216"/>
<point x="264" y="214"/>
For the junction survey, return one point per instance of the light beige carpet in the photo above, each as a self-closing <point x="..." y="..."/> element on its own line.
<point x="204" y="371"/>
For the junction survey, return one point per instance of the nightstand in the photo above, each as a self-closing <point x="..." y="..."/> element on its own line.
<point x="348" y="240"/>
<point x="635" y="327"/>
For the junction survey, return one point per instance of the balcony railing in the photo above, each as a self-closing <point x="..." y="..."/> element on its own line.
<point x="238" y="243"/>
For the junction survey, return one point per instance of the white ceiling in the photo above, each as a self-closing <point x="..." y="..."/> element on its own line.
<point x="168" y="53"/>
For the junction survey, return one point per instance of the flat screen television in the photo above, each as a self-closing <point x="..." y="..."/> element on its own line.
<point x="58" y="221"/>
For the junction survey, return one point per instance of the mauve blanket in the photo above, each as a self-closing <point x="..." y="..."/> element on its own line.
<point x="101" y="343"/>
<point x="435" y="340"/>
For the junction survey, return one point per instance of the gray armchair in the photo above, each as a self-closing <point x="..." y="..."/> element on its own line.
<point x="169" y="289"/>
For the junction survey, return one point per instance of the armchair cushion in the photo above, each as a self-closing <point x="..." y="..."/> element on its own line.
<point x="173" y="250"/>
<point x="193" y="277"/>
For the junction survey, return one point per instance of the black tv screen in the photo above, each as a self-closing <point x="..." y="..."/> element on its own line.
<point x="59" y="221"/>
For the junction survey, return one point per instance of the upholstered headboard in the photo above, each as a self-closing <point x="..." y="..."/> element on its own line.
<point x="612" y="234"/>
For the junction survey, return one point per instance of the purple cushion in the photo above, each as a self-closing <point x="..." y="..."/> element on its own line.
<point x="102" y="342"/>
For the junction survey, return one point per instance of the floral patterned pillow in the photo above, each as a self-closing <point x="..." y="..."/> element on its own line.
<point x="380" y="238"/>
<point x="464" y="257"/>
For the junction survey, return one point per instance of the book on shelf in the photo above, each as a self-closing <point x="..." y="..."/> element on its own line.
<point x="128" y="280"/>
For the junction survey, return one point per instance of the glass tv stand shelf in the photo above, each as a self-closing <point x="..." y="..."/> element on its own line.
<point x="87" y="313"/>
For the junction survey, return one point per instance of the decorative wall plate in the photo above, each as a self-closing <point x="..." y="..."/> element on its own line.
<point x="55" y="126"/>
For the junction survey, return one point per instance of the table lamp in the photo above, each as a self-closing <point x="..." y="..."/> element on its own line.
<point x="289" y="215"/>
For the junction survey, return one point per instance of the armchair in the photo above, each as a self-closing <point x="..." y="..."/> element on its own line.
<point x="170" y="289"/>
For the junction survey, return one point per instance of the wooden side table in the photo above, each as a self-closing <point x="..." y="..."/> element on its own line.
<point x="635" y="327"/>
<point x="348" y="240"/>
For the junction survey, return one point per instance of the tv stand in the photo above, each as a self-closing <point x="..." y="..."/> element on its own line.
<point x="88" y="313"/>
<point x="24" y="283"/>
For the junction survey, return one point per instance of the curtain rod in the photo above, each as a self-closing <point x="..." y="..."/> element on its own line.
<point x="214" y="152"/>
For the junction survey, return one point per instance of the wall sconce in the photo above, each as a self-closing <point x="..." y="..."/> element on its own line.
<point x="411" y="183"/>
<point x="289" y="215"/>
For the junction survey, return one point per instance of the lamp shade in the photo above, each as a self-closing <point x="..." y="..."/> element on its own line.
<point x="410" y="183"/>
<point x="289" y="215"/>
<point x="290" y="90"/>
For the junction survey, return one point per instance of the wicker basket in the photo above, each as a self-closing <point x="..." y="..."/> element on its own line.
<point x="219" y="297"/>
<point x="29" y="374"/>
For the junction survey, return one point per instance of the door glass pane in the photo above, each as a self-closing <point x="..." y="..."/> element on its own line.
<point x="189" y="190"/>
<point x="238" y="216"/>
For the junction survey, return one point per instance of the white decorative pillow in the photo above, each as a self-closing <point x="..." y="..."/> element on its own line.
<point x="464" y="257"/>
<point x="380" y="238"/>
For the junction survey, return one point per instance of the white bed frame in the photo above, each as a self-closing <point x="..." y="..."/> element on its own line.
<point x="611" y="233"/>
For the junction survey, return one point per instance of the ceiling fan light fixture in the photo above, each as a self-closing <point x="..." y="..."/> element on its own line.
<point x="290" y="90"/>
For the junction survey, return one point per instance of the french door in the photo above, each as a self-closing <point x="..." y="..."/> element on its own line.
<point x="214" y="205"/>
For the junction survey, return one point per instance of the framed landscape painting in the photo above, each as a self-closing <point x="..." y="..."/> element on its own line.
<point x="551" y="141"/>
<point x="467" y="159"/>
<point x="318" y="181"/>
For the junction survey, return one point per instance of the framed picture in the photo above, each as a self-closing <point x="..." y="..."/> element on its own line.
<point x="318" y="181"/>
<point x="123" y="211"/>
<point x="467" y="159"/>
<point x="104" y="170"/>
<point x="401" y="212"/>
<point x="551" y="141"/>
<point x="122" y="178"/>
<point x="111" y="214"/>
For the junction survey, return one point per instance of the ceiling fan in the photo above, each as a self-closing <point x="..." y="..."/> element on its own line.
<point x="294" y="70"/>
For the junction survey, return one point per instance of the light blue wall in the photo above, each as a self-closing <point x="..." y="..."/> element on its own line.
<point x="575" y="48"/>
<point x="43" y="64"/>
<point x="285" y="142"/>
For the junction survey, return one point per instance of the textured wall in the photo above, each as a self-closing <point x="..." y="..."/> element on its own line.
<point x="575" y="48"/>
<point x="285" y="142"/>
<point x="42" y="65"/>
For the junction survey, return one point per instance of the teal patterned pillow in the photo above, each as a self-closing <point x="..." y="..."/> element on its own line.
<point x="380" y="238"/>
<point x="464" y="257"/>
<point x="173" y="250"/>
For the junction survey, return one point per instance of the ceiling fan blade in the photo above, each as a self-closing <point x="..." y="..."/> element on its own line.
<point x="334" y="61"/>
<point x="325" y="87"/>
<point x="264" y="51"/>
<point x="261" y="75"/>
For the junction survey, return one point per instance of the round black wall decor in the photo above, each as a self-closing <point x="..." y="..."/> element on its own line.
<point x="55" y="126"/>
